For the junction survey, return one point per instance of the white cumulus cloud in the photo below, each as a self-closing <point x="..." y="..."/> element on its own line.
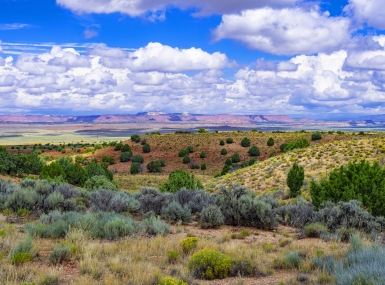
<point x="162" y="58"/>
<point x="370" y="12"/>
<point x="285" y="31"/>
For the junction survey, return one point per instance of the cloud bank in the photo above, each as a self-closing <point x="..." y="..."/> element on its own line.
<point x="118" y="81"/>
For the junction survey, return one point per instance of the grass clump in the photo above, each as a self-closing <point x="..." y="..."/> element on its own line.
<point x="20" y="258"/>
<point x="173" y="256"/>
<point x="315" y="230"/>
<point x="209" y="264"/>
<point x="60" y="254"/>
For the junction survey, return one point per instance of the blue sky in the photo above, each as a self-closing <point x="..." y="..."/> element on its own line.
<point x="322" y="59"/>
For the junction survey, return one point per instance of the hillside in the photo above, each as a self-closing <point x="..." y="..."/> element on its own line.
<point x="318" y="161"/>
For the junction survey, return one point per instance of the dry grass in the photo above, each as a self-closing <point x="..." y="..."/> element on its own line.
<point x="142" y="261"/>
<point x="318" y="161"/>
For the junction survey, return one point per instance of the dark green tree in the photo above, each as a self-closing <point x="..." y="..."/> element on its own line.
<point x="203" y="166"/>
<point x="295" y="179"/>
<point x="76" y="175"/>
<point x="183" y="152"/>
<point x="203" y="154"/>
<point x="221" y="142"/>
<point x="229" y="140"/>
<point x="223" y="151"/>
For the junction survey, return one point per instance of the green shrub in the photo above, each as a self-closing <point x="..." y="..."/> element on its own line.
<point x="179" y="179"/>
<point x="174" y="212"/>
<point x="146" y="148"/>
<point x="209" y="264"/>
<point x="135" y="138"/>
<point x="60" y="254"/>
<point x="353" y="182"/>
<point x="221" y="142"/>
<point x="292" y="260"/>
<point x="283" y="146"/>
<point x="108" y="159"/>
<point x="100" y="182"/>
<point x="315" y="230"/>
<point x="125" y="156"/>
<point x="189" y="244"/>
<point x="211" y="217"/>
<point x="118" y="146"/>
<point x="173" y="256"/>
<point x="190" y="149"/>
<point x="229" y="140"/>
<point x="223" y="151"/>
<point x="126" y="148"/>
<point x="235" y="158"/>
<point x="203" y="154"/>
<point x="183" y="152"/>
<point x="171" y="281"/>
<point x="228" y="162"/>
<point x="52" y="171"/>
<point x="21" y="257"/>
<point x="203" y="166"/>
<point x="50" y="280"/>
<point x="316" y="136"/>
<point x="135" y="168"/>
<point x="137" y="158"/>
<point x="300" y="143"/>
<point x="254" y="151"/>
<point x="186" y="159"/>
<point x="270" y="142"/>
<point x="154" y="166"/>
<point x="245" y="142"/>
<point x="154" y="226"/>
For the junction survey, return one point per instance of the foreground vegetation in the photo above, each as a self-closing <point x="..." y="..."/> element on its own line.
<point x="315" y="217"/>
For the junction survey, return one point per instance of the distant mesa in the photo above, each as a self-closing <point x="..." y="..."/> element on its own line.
<point x="188" y="118"/>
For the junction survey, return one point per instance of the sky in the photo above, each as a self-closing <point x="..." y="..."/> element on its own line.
<point x="318" y="59"/>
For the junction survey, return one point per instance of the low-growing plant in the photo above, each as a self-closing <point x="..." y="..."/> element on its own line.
<point x="315" y="230"/>
<point x="154" y="226"/>
<point x="211" y="217"/>
<point x="189" y="244"/>
<point x="173" y="256"/>
<point x="171" y="281"/>
<point x="174" y="212"/>
<point x="209" y="264"/>
<point x="60" y="254"/>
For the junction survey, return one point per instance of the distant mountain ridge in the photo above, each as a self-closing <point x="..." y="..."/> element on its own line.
<point x="182" y="118"/>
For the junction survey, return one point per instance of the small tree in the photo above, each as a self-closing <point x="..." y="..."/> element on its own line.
<point x="190" y="149"/>
<point x="222" y="142"/>
<point x="203" y="166"/>
<point x="183" y="152"/>
<point x="229" y="140"/>
<point x="203" y="131"/>
<point x="223" y="151"/>
<point x="203" y="154"/>
<point x="245" y="142"/>
<point x="295" y="179"/>
<point x="254" y="151"/>
<point x="270" y="142"/>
